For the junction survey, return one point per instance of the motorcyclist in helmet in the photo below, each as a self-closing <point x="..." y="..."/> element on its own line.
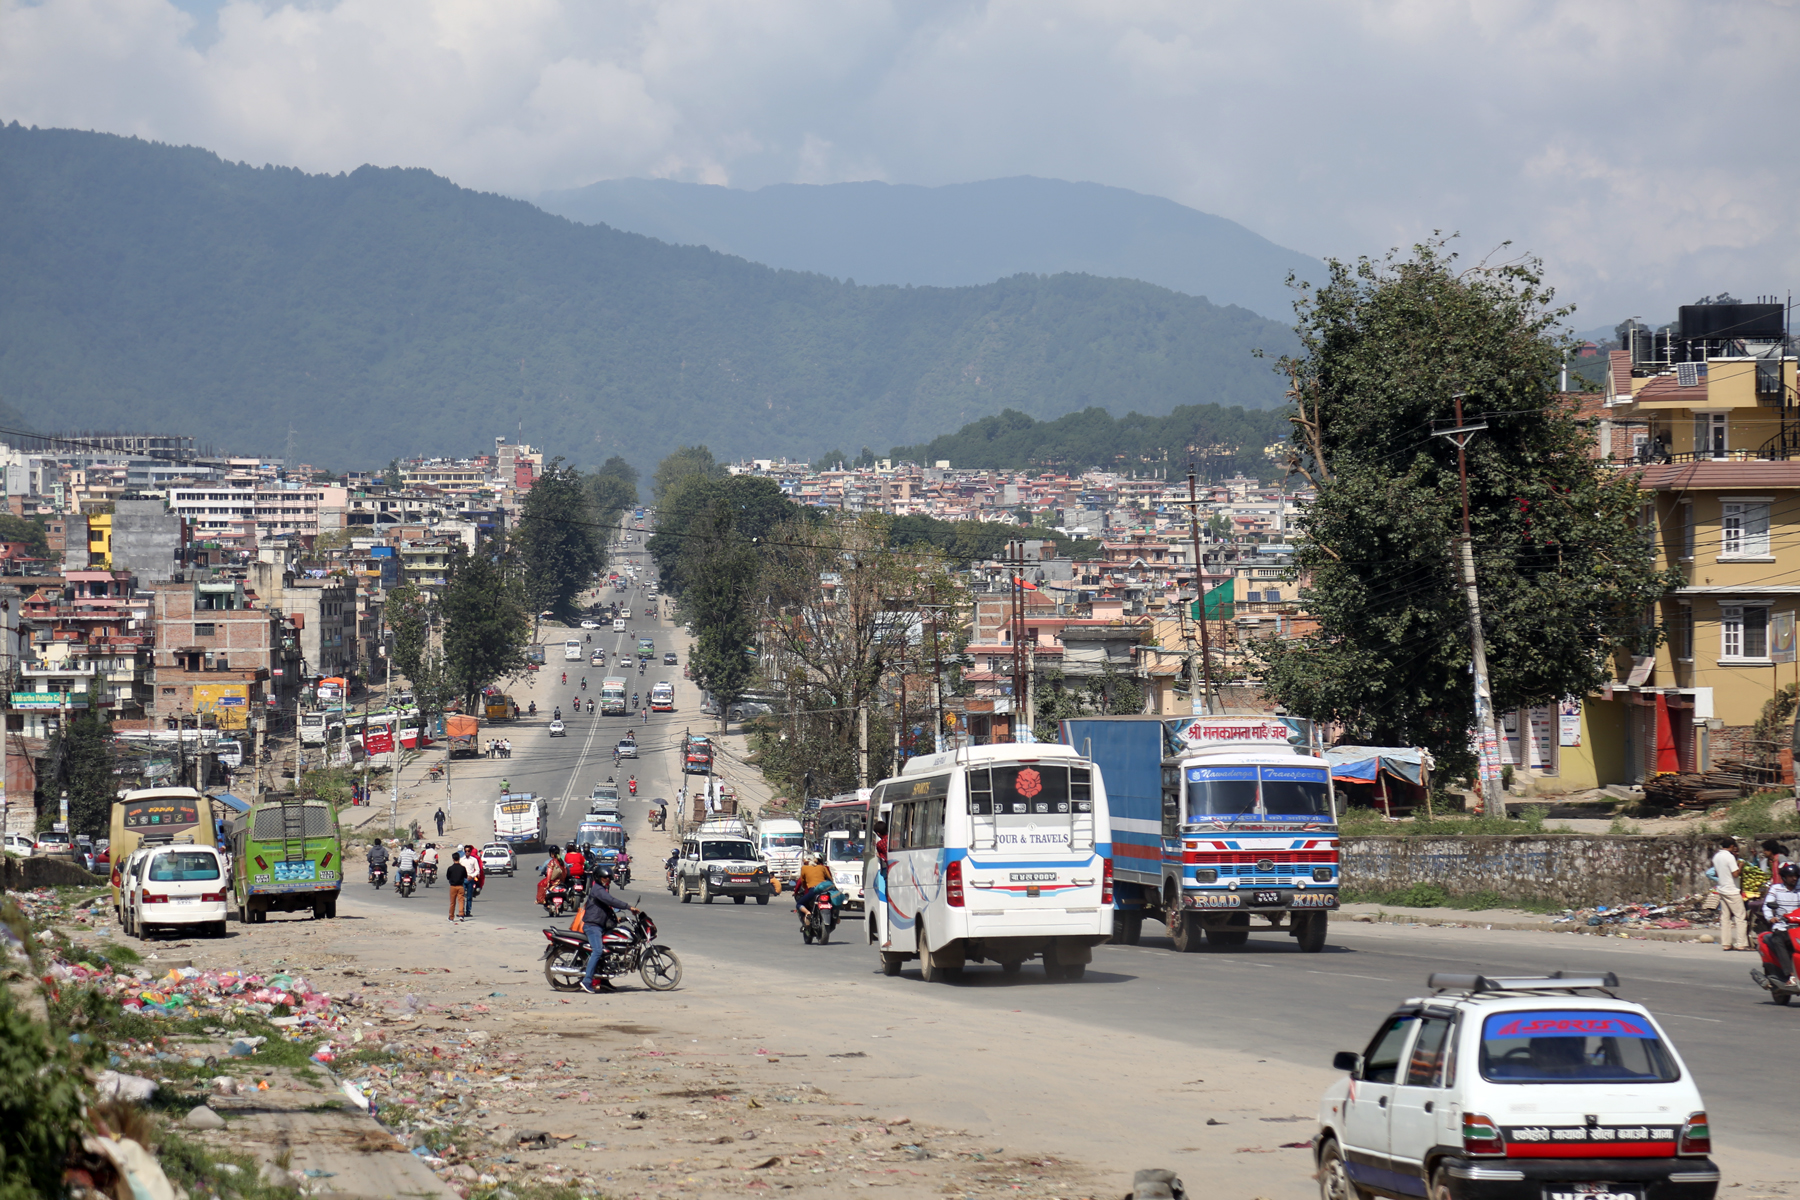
<point x="378" y="858"/>
<point x="598" y="917"/>
<point x="590" y="708"/>
<point x="1781" y="906"/>
<point x="815" y="877"/>
<point x="575" y="861"/>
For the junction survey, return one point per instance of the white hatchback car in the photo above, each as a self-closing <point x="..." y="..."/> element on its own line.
<point x="499" y="859"/>
<point x="1516" y="1089"/>
<point x="175" y="887"/>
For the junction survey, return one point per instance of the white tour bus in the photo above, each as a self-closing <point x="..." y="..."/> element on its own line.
<point x="572" y="650"/>
<point x="995" y="854"/>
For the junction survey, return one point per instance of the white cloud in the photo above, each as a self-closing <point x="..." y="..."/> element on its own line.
<point x="1627" y="144"/>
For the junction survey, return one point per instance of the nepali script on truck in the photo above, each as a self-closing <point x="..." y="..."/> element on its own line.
<point x="1221" y="826"/>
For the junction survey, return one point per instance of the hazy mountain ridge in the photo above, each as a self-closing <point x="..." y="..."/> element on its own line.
<point x="957" y="235"/>
<point x="389" y="311"/>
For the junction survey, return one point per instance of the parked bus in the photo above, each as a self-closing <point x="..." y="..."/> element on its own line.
<point x="520" y="820"/>
<point x="612" y="696"/>
<point x="159" y="815"/>
<point x="286" y="856"/>
<point x="662" y="697"/>
<point x="995" y="854"/>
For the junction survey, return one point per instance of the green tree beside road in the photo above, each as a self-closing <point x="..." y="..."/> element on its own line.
<point x="1565" y="577"/>
<point x="487" y="621"/>
<point x="559" y="543"/>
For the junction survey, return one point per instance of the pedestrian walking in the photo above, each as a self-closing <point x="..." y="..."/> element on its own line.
<point x="440" y="822"/>
<point x="457" y="877"/>
<point x="477" y="879"/>
<point x="1728" y="871"/>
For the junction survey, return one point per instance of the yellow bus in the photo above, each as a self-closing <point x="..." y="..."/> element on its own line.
<point x="173" y="814"/>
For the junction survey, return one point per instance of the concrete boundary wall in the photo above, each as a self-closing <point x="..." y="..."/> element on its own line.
<point x="1572" y="870"/>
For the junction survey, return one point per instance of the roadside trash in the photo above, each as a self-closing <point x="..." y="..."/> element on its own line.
<point x="125" y="1087"/>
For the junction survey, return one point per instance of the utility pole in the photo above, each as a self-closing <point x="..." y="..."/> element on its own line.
<point x="1201" y="683"/>
<point x="862" y="745"/>
<point x="1487" y="734"/>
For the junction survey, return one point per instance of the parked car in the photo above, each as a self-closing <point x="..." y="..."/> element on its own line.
<point x="1515" y="1087"/>
<point x="174" y="887"/>
<point x="20" y="845"/>
<point x="54" y="843"/>
<point x="499" y="859"/>
<point x="558" y="729"/>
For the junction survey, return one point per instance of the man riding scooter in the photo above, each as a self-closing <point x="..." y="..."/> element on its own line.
<point x="1781" y="906"/>
<point x="378" y="861"/>
<point x="815" y="878"/>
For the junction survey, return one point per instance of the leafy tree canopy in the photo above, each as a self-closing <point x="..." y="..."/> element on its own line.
<point x="487" y="622"/>
<point x="24" y="529"/>
<point x="559" y="543"/>
<point x="1563" y="573"/>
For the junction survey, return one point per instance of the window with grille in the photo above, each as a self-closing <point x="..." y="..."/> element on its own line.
<point x="1744" y="530"/>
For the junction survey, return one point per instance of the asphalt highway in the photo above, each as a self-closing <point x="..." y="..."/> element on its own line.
<point x="1266" y="997"/>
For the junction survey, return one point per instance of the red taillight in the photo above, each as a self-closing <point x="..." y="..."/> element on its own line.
<point x="326" y="861"/>
<point x="1106" y="896"/>
<point x="953" y="884"/>
<point x="261" y="863"/>
<point x="152" y="898"/>
<point x="115" y="877"/>
<point x="1696" y="1136"/>
<point x="1481" y="1135"/>
<point x="212" y="898"/>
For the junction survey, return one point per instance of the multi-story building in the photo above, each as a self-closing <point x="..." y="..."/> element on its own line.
<point x="221" y="510"/>
<point x="219" y="655"/>
<point x="1710" y="408"/>
<point x="89" y="642"/>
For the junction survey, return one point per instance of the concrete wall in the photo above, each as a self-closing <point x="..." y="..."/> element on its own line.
<point x="145" y="540"/>
<point x="1572" y="871"/>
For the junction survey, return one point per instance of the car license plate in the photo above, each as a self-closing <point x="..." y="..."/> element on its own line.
<point x="1266" y="898"/>
<point x="1593" y="1191"/>
<point x="184" y="900"/>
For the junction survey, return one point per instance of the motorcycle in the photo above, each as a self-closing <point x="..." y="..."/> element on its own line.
<point x="378" y="877"/>
<point x="622" y="870"/>
<point x="632" y="785"/>
<point x="1768" y="976"/>
<point x="429" y="871"/>
<point x="669" y="870"/>
<point x="629" y="946"/>
<point x="821" y="919"/>
<point x="559" y="899"/>
<point x="590" y="708"/>
<point x="403" y="886"/>
<point x="436" y="774"/>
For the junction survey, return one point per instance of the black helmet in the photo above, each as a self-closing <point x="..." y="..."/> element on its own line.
<point x="568" y="847"/>
<point x="1789" y="870"/>
<point x="603" y="871"/>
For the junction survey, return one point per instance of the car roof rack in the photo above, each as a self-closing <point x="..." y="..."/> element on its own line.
<point x="1556" y="981"/>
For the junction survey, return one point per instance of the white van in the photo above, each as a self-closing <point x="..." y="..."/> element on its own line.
<point x="995" y="854"/>
<point x="572" y="650"/>
<point x="175" y="887"/>
<point x="782" y="840"/>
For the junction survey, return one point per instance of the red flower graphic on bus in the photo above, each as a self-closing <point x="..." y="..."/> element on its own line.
<point x="1029" y="783"/>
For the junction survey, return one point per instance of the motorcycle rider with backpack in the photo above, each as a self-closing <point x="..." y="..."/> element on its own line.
<point x="597" y="917"/>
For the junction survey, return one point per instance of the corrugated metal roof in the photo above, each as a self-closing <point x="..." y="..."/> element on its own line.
<point x="1721" y="475"/>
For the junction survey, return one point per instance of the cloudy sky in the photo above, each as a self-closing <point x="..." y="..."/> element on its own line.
<point x="1639" y="147"/>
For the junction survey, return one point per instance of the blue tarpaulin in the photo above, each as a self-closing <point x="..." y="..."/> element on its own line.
<point x="1362" y="764"/>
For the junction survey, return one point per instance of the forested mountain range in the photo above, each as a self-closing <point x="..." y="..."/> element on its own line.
<point x="1220" y="441"/>
<point x="384" y="312"/>
<point x="958" y="234"/>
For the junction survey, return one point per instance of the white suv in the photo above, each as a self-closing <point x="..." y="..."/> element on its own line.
<point x="721" y="865"/>
<point x="183" y="886"/>
<point x="1545" y="1088"/>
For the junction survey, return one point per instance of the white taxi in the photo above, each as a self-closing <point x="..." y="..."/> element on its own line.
<point x="1541" y="1088"/>
<point x="182" y="887"/>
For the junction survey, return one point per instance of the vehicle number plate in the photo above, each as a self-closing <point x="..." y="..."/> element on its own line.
<point x="1592" y="1191"/>
<point x="185" y="900"/>
<point x="1266" y="898"/>
<point x="1032" y="877"/>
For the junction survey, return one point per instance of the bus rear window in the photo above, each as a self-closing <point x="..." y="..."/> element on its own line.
<point x="1030" y="789"/>
<point x="178" y="866"/>
<point x="1573" y="1046"/>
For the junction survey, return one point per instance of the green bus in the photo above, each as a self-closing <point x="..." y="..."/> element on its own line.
<point x="286" y="856"/>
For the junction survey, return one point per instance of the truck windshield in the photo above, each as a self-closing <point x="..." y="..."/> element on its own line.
<point x="771" y="840"/>
<point x="1573" y="1046"/>
<point x="843" y="850"/>
<point x="1234" y="791"/>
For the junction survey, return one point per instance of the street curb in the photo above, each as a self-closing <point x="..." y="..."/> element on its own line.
<point x="1374" y="914"/>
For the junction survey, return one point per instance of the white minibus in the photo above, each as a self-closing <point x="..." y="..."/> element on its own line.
<point x="995" y="854"/>
<point x="572" y="650"/>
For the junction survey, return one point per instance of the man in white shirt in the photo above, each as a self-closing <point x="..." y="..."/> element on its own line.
<point x="405" y="861"/>
<point x="1734" y="932"/>
<point x="1781" y="907"/>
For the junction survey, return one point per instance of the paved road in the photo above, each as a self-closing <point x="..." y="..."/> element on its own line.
<point x="1266" y="997"/>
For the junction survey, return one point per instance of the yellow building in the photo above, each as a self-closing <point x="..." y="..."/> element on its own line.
<point x="1717" y="449"/>
<point x="100" y="541"/>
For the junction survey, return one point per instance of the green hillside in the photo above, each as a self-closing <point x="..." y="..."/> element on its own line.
<point x="1220" y="441"/>
<point x="387" y="312"/>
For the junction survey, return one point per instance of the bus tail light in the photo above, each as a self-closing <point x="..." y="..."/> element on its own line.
<point x="115" y="877"/>
<point x="953" y="884"/>
<point x="1481" y="1136"/>
<point x="152" y="898"/>
<point x="1696" y="1135"/>
<point x="212" y="897"/>
<point x="326" y="861"/>
<point x="1106" y="886"/>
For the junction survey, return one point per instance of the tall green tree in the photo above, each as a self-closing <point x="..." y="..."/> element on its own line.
<point x="24" y="529"/>
<point x="559" y="544"/>
<point x="757" y="505"/>
<point x="720" y="566"/>
<point x="675" y="470"/>
<point x="408" y="613"/>
<point x="614" y="488"/>
<point x="1565" y="577"/>
<point x="487" y="621"/>
<point x="84" y="768"/>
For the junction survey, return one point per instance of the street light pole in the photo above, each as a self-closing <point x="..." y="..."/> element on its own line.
<point x="1487" y="734"/>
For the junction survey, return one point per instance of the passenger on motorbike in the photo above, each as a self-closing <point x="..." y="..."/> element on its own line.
<point x="404" y="864"/>
<point x="378" y="859"/>
<point x="428" y="859"/>
<point x="576" y="863"/>
<point x="551" y="872"/>
<point x="815" y="877"/>
<point x="584" y="683"/>
<point x="590" y="708"/>
<point x="1781" y="906"/>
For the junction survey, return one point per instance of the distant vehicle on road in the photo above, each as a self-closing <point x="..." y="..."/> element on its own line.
<point x="662" y="697"/>
<point x="590" y="624"/>
<point x="572" y="650"/>
<point x="612" y="696"/>
<point x="627" y="749"/>
<point x="558" y="729"/>
<point x="670" y="658"/>
<point x="499" y="859"/>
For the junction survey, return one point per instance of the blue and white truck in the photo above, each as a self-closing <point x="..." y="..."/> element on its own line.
<point x="1221" y="826"/>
